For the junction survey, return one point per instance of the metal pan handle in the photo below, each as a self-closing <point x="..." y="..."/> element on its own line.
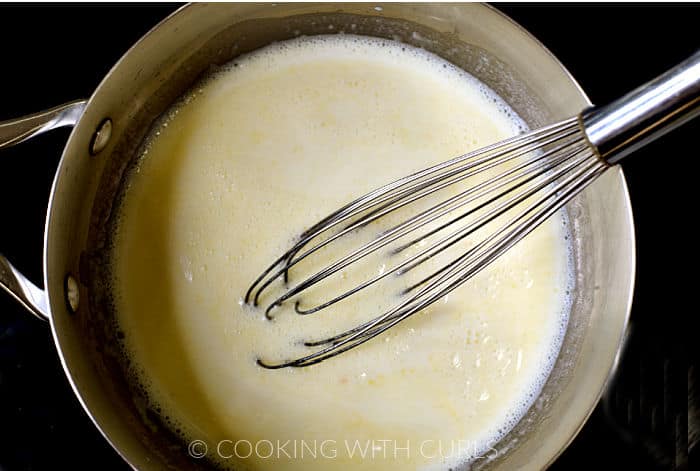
<point x="13" y="132"/>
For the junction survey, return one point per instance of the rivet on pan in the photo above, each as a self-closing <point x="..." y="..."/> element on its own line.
<point x="72" y="293"/>
<point x="101" y="136"/>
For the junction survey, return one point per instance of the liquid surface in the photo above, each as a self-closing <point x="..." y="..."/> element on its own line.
<point x="248" y="160"/>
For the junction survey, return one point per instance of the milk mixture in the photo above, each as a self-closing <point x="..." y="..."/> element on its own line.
<point x="251" y="157"/>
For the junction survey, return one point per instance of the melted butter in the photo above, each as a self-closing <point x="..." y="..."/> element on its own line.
<point x="255" y="154"/>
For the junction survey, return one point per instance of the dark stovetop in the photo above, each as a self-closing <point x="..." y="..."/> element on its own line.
<point x="51" y="54"/>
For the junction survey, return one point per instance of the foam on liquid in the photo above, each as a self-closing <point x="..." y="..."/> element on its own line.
<point x="254" y="154"/>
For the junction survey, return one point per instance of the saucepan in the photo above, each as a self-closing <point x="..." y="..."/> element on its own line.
<point x="109" y="127"/>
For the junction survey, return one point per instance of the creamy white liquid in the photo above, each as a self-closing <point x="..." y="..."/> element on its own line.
<point x="253" y="156"/>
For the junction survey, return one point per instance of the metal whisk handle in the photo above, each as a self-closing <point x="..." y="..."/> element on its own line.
<point x="643" y="115"/>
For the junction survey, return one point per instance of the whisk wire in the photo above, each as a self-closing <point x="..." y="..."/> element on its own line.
<point x="464" y="270"/>
<point x="562" y="169"/>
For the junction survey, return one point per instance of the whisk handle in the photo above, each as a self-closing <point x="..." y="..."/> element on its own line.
<point x="646" y="113"/>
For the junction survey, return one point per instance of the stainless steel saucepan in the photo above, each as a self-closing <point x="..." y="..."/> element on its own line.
<point x="109" y="127"/>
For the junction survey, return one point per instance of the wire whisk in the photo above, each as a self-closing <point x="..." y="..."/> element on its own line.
<point x="501" y="192"/>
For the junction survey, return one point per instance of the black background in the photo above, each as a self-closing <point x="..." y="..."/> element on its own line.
<point x="53" y="54"/>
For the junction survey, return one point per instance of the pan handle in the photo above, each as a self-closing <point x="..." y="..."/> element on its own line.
<point x="13" y="132"/>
